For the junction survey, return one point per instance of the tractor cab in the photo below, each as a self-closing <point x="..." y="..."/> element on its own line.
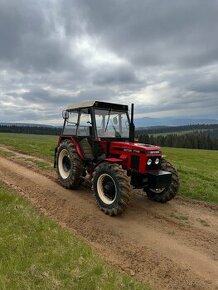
<point x="97" y="120"/>
<point x="94" y="124"/>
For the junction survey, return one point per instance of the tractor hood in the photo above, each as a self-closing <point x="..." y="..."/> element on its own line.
<point x="135" y="147"/>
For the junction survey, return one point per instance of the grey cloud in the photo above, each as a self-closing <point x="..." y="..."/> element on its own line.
<point x="43" y="65"/>
<point x="207" y="85"/>
<point x="157" y="32"/>
<point x="42" y="96"/>
<point x="95" y="94"/>
<point x="115" y="76"/>
<point x="12" y="115"/>
<point x="31" y="40"/>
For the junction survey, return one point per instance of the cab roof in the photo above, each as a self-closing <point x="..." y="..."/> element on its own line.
<point x="98" y="105"/>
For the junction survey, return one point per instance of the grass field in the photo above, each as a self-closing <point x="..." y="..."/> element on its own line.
<point x="198" y="172"/>
<point x="36" y="253"/>
<point x="198" y="169"/>
<point x="39" y="145"/>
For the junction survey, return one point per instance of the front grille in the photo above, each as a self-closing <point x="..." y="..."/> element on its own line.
<point x="135" y="162"/>
<point x="153" y="166"/>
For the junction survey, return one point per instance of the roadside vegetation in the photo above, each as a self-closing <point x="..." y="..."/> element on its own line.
<point x="38" y="145"/>
<point x="36" y="253"/>
<point x="197" y="168"/>
<point x="198" y="172"/>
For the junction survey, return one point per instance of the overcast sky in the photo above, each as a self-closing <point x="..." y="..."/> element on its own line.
<point x="161" y="55"/>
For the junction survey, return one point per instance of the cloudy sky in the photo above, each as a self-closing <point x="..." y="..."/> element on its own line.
<point x="161" y="55"/>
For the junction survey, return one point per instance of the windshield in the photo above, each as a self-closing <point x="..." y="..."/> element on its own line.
<point x="112" y="124"/>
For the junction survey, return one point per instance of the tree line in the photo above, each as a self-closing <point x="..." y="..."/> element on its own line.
<point x="173" y="129"/>
<point x="42" y="130"/>
<point x="194" y="140"/>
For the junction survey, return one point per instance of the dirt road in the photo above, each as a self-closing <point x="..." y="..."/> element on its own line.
<point x="171" y="246"/>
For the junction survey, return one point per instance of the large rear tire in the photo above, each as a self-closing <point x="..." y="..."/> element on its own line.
<point x="111" y="188"/>
<point x="165" y="194"/>
<point x="69" y="165"/>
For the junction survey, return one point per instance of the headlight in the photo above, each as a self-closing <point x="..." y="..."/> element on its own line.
<point x="157" y="161"/>
<point x="149" y="161"/>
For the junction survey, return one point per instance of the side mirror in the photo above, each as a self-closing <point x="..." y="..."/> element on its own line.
<point x="65" y="114"/>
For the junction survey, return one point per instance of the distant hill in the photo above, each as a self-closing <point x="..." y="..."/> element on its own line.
<point x="140" y="123"/>
<point x="170" y="121"/>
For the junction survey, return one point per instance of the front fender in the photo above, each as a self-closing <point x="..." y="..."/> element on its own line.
<point x="113" y="160"/>
<point x="109" y="160"/>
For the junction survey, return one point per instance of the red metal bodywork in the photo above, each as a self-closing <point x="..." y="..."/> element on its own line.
<point x="127" y="149"/>
<point x="121" y="152"/>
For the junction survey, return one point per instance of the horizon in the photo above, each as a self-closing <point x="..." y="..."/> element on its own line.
<point x="137" y="121"/>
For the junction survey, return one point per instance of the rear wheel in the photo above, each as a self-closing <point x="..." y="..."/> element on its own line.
<point x="111" y="188"/>
<point x="166" y="193"/>
<point x="69" y="165"/>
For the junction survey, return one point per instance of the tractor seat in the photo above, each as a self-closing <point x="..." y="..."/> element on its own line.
<point x="86" y="148"/>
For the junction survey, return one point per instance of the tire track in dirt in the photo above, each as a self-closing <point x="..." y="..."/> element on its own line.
<point x="171" y="246"/>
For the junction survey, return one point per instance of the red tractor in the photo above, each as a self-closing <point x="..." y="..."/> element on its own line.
<point x="97" y="142"/>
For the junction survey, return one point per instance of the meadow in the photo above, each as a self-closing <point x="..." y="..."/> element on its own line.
<point x="37" y="253"/>
<point x="197" y="168"/>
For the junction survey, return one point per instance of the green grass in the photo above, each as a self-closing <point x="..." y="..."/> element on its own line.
<point x="36" y="253"/>
<point x="197" y="168"/>
<point x="198" y="171"/>
<point x="40" y="145"/>
<point x="6" y="154"/>
<point x="40" y="163"/>
<point x="179" y="217"/>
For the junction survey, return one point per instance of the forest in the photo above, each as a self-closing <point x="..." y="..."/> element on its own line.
<point x="29" y="129"/>
<point x="191" y="136"/>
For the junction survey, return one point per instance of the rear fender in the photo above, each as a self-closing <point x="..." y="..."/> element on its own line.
<point x="55" y="156"/>
<point x="76" y="144"/>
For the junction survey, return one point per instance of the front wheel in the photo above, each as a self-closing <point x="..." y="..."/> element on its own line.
<point x="111" y="188"/>
<point x="166" y="193"/>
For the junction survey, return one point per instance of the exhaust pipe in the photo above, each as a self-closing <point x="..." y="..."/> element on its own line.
<point x="132" y="126"/>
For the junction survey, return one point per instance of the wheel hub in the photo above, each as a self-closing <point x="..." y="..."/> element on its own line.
<point x="106" y="189"/>
<point x="109" y="188"/>
<point x="66" y="163"/>
<point x="157" y="190"/>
